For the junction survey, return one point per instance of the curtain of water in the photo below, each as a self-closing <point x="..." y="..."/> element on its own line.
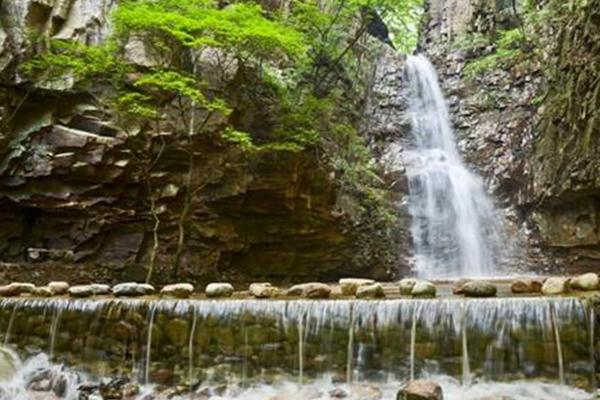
<point x="455" y="229"/>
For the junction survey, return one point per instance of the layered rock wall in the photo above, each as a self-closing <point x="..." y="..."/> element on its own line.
<point x="72" y="194"/>
<point x="539" y="164"/>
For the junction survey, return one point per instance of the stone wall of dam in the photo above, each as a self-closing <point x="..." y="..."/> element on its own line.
<point x="243" y="340"/>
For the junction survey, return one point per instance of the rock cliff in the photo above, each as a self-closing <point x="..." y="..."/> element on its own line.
<point x="71" y="196"/>
<point x="527" y="119"/>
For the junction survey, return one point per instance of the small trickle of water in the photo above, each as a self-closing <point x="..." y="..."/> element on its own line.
<point x="455" y="228"/>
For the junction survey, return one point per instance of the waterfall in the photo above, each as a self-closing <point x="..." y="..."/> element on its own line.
<point x="367" y="340"/>
<point x="11" y="322"/>
<point x="455" y="228"/>
<point x="149" y="345"/>
<point x="54" y="329"/>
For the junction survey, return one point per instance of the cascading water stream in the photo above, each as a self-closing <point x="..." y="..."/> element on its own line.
<point x="455" y="229"/>
<point x="366" y="342"/>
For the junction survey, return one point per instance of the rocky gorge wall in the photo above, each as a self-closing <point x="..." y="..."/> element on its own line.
<point x="527" y="118"/>
<point x="72" y="199"/>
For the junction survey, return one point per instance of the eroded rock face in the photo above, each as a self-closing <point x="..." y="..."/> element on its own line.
<point x="539" y="167"/>
<point x="71" y="192"/>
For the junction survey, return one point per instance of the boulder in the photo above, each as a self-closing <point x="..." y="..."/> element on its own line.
<point x="219" y="289"/>
<point x="423" y="289"/>
<point x="178" y="290"/>
<point x="132" y="289"/>
<point x="316" y="290"/>
<point x="587" y="281"/>
<point x="421" y="389"/>
<point x="458" y="286"/>
<point x="350" y="285"/>
<point x="555" y="285"/>
<point x="312" y="290"/>
<point x="406" y="286"/>
<point x="296" y="290"/>
<point x="16" y="289"/>
<point x="524" y="285"/>
<point x="263" y="290"/>
<point x="94" y="289"/>
<point x="9" y="363"/>
<point x="59" y="288"/>
<point x="479" y="289"/>
<point x="373" y="290"/>
<point x="43" y="291"/>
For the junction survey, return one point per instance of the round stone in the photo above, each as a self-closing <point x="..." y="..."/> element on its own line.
<point x="219" y="289"/>
<point x="349" y="286"/>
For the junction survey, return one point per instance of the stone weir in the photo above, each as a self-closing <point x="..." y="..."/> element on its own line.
<point x="211" y="341"/>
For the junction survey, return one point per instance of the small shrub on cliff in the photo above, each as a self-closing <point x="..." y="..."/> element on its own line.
<point x="509" y="51"/>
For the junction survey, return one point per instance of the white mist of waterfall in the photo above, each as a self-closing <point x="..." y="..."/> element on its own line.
<point x="455" y="228"/>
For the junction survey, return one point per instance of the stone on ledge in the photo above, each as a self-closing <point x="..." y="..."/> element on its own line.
<point x="219" y="289"/>
<point x="89" y="290"/>
<point x="16" y="289"/>
<point x="311" y="290"/>
<point x="458" y="286"/>
<point x="132" y="289"/>
<point x="406" y="286"/>
<point x="59" y="287"/>
<point x="423" y="289"/>
<point x="421" y="389"/>
<point x="349" y="286"/>
<point x="479" y="289"/>
<point x="587" y="281"/>
<point x="43" y="291"/>
<point x="555" y="285"/>
<point x="263" y="290"/>
<point x="524" y="285"/>
<point x="178" y="290"/>
<point x="374" y="290"/>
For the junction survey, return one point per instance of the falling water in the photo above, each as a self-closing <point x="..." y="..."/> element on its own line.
<point x="413" y="341"/>
<point x="455" y="229"/>
<point x="191" y="350"/>
<point x="54" y="329"/>
<point x="11" y="322"/>
<point x="466" y="369"/>
<point x="149" y="345"/>
<point x="301" y="349"/>
<point x="592" y="345"/>
<point x="559" y="352"/>
<point x="350" y="350"/>
<point x="367" y="338"/>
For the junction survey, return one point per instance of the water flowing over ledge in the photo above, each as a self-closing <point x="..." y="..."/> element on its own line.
<point x="472" y="340"/>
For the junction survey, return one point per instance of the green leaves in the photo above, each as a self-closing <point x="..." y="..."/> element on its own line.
<point x="64" y="59"/>
<point x="241" y="28"/>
